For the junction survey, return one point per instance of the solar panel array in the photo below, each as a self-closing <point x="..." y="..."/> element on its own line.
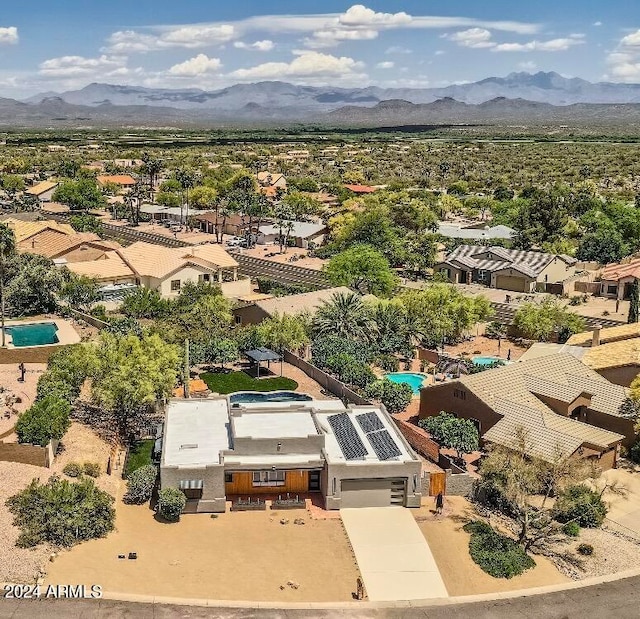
<point x="347" y="436"/>
<point x="369" y="422"/>
<point x="384" y="445"/>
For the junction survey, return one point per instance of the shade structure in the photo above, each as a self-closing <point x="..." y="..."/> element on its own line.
<point x="258" y="355"/>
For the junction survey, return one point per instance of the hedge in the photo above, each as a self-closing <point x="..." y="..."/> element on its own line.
<point x="171" y="502"/>
<point x="140" y="485"/>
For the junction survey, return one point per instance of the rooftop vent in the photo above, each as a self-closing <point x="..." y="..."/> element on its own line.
<point x="189" y="446"/>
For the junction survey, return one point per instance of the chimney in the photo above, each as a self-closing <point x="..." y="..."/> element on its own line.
<point x="595" y="340"/>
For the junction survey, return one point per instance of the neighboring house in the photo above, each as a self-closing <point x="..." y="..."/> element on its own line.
<point x="301" y="232"/>
<point x="453" y="231"/>
<point x="233" y="225"/>
<point x="168" y="269"/>
<point x="616" y="279"/>
<point x="613" y="352"/>
<point x="353" y="456"/>
<point x="108" y="270"/>
<point x="508" y="269"/>
<point x="67" y="248"/>
<point x="43" y="191"/>
<point x="305" y="303"/>
<point x="123" y="181"/>
<point x="25" y="231"/>
<point x="163" y="213"/>
<point x="272" y="179"/>
<point x="563" y="407"/>
<point x="361" y="189"/>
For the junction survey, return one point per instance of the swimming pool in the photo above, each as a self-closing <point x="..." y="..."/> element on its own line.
<point x="34" y="334"/>
<point x="243" y="397"/>
<point x="413" y="380"/>
<point x="488" y="360"/>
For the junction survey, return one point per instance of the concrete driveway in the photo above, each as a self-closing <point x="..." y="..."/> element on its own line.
<point x="393" y="556"/>
<point x="625" y="510"/>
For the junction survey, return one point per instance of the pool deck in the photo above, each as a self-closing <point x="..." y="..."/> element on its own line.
<point x="66" y="334"/>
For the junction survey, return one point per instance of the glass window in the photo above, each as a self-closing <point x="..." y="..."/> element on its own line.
<point x="228" y="478"/>
<point x="175" y="285"/>
<point x="613" y="289"/>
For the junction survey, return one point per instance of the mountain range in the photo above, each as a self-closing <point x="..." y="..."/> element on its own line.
<point x="516" y="96"/>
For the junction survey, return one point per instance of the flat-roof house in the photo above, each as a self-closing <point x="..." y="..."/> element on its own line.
<point x="616" y="279"/>
<point x="508" y="269"/>
<point x="454" y="231"/>
<point x="302" y="233"/>
<point x="255" y="312"/>
<point x="354" y="456"/>
<point x="564" y="408"/>
<point x="43" y="191"/>
<point x="168" y="269"/>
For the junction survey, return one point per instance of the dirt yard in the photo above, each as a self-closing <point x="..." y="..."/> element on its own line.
<point x="450" y="547"/>
<point x="236" y="556"/>
<point x="81" y="445"/>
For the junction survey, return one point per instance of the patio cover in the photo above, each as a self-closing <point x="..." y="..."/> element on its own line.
<point x="262" y="354"/>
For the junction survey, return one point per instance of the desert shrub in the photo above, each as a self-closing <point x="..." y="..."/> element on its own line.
<point x="61" y="512"/>
<point x="73" y="469"/>
<point x="171" y="502"/>
<point x="496" y="554"/>
<point x="581" y="505"/>
<point x="92" y="469"/>
<point x="140" y="485"/>
<point x="634" y="452"/>
<point x="572" y="529"/>
<point x="47" y="419"/>
<point x="585" y="549"/>
<point x="395" y="396"/>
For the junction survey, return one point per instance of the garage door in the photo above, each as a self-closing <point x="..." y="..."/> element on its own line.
<point x="372" y="492"/>
<point x="507" y="282"/>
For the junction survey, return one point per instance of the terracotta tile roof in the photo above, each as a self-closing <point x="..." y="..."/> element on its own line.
<point x="117" y="179"/>
<point x="52" y="244"/>
<point x="26" y="229"/>
<point x="156" y="261"/>
<point x="41" y="188"/>
<point x="298" y="303"/>
<point x="617" y="271"/>
<point x="107" y="268"/>
<point x="512" y="391"/>
<point x="360" y="188"/>
<point x="608" y="335"/>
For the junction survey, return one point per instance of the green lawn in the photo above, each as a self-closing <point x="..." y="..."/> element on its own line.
<point x="139" y="456"/>
<point x="239" y="381"/>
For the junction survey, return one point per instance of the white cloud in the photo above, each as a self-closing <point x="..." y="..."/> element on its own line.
<point x="386" y="65"/>
<point x="528" y="65"/>
<point x="79" y="66"/>
<point x="332" y="37"/>
<point x="553" y="45"/>
<point x="624" y="61"/>
<point x="597" y="23"/>
<point x="475" y="38"/>
<point x="440" y="52"/>
<point x="9" y="35"/>
<point x="190" y="36"/>
<point x="259" y="46"/>
<point x="359" y="15"/>
<point x="306" y="64"/>
<point x="397" y="49"/>
<point x="197" y="66"/>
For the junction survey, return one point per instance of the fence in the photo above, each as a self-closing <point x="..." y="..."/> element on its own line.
<point x="90" y="320"/>
<point x="419" y="440"/>
<point x="28" y="454"/>
<point x="330" y="384"/>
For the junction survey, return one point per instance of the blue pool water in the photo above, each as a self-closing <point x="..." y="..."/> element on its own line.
<point x="35" y="334"/>
<point x="273" y="396"/>
<point x="487" y="360"/>
<point x="413" y="380"/>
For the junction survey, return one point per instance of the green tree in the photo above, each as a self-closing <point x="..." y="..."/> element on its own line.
<point x="284" y="332"/>
<point x="61" y="513"/>
<point x="452" y="432"/>
<point x="581" y="505"/>
<point x="634" y="303"/>
<point x="171" y="503"/>
<point x="12" y="184"/>
<point x="602" y="246"/>
<point x="344" y="315"/>
<point x="86" y="223"/>
<point x="80" y="195"/>
<point x="395" y="396"/>
<point x="7" y="247"/>
<point x="539" y="321"/>
<point x="364" y="269"/>
<point x="46" y="419"/>
<point x="80" y="291"/>
<point x="144" y="303"/>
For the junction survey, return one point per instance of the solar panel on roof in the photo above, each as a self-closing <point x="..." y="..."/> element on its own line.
<point x="384" y="446"/>
<point x="347" y="436"/>
<point x="369" y="422"/>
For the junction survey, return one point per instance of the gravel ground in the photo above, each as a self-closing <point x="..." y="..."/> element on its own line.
<point x="81" y="445"/>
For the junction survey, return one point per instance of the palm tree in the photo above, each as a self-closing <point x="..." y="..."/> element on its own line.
<point x="345" y="315"/>
<point x="7" y="247"/>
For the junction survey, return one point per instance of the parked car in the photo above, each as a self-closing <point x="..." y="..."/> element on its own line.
<point x="235" y="241"/>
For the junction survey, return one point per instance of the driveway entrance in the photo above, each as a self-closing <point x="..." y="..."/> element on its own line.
<point x="393" y="556"/>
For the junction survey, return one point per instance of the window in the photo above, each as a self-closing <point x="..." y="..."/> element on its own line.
<point x="482" y="275"/>
<point x="269" y="478"/>
<point x="228" y="478"/>
<point x="460" y="394"/>
<point x="205" y="278"/>
<point x="192" y="488"/>
<point x="612" y="289"/>
<point x="192" y="493"/>
<point x="175" y="285"/>
<point x="238" y="320"/>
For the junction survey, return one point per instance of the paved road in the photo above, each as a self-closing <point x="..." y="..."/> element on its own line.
<point x="393" y="556"/>
<point x="614" y="599"/>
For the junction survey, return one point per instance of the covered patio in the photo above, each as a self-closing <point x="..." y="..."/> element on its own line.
<point x="260" y="355"/>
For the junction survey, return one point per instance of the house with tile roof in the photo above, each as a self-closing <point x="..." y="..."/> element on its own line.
<point x="485" y="233"/>
<point x="67" y="248"/>
<point x="168" y="269"/>
<point x="24" y="230"/>
<point x="616" y="279"/>
<point x="563" y="407"/>
<point x="43" y="191"/>
<point x="123" y="181"/>
<point x="507" y="269"/>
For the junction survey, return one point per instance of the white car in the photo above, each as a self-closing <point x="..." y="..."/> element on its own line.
<point x="235" y="241"/>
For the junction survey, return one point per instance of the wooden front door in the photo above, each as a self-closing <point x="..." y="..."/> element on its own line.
<point x="437" y="484"/>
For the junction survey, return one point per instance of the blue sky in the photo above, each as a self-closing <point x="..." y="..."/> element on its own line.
<point x="47" y="46"/>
